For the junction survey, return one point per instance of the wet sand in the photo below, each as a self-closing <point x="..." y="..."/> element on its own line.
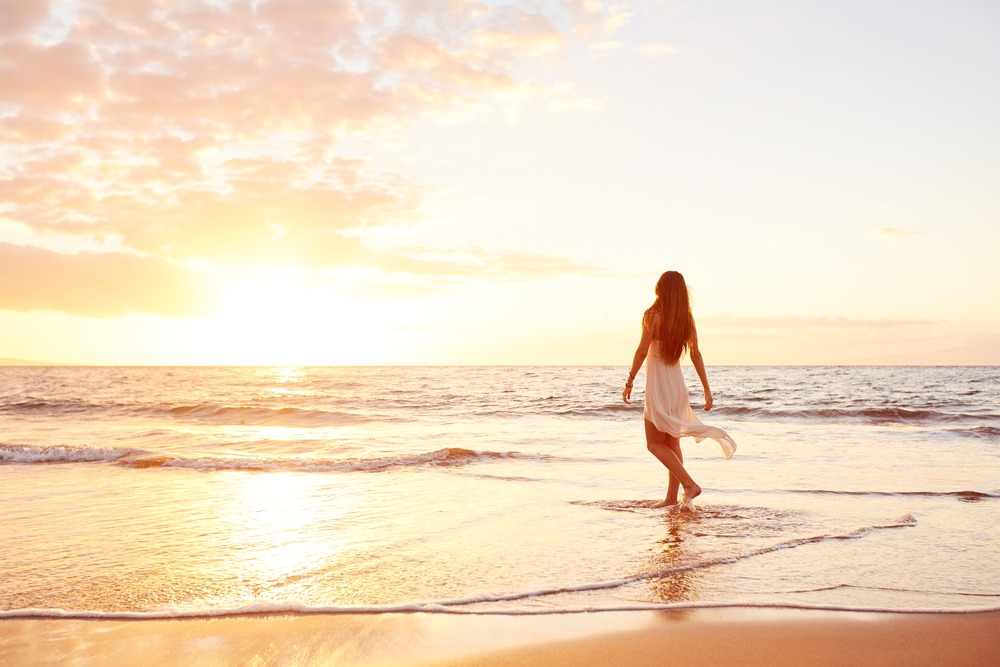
<point x="703" y="637"/>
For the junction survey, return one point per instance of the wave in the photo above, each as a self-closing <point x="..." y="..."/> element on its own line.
<point x="215" y="413"/>
<point x="447" y="457"/>
<point x="397" y="410"/>
<point x="11" y="453"/>
<point x="986" y="432"/>
<point x="866" y="415"/>
<point x="138" y="458"/>
<point x="69" y="406"/>
<point x="264" y="416"/>
<point x="961" y="495"/>
<point x="620" y="409"/>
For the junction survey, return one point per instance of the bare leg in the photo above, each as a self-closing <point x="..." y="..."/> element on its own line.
<point x="656" y="444"/>
<point x="673" y="485"/>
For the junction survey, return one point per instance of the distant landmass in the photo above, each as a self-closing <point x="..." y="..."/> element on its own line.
<point x="23" y="362"/>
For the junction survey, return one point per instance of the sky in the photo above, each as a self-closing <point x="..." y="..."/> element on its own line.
<point x="303" y="182"/>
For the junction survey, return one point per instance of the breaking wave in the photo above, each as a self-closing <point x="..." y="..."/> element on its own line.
<point x="138" y="458"/>
<point x="264" y="416"/>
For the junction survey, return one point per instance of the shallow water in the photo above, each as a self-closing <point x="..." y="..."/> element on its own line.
<point x="176" y="491"/>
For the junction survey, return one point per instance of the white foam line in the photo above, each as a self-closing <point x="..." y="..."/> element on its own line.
<point x="14" y="453"/>
<point x="449" y="606"/>
<point x="681" y="606"/>
<point x="276" y="609"/>
<point x="258" y="609"/>
<point x="138" y="458"/>
<point x="903" y="522"/>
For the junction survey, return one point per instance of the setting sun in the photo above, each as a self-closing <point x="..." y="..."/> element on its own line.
<point x="285" y="319"/>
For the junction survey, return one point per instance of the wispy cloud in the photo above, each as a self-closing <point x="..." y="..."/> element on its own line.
<point x="618" y="18"/>
<point x="605" y="48"/>
<point x="896" y="233"/>
<point x="729" y="321"/>
<point x="656" y="50"/>
<point x="566" y="96"/>
<point x="473" y="262"/>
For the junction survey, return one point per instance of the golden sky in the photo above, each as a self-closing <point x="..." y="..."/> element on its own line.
<point x="488" y="182"/>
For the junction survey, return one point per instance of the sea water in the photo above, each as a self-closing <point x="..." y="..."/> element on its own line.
<point x="164" y="492"/>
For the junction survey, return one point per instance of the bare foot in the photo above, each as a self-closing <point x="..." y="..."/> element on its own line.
<point x="691" y="492"/>
<point x="663" y="503"/>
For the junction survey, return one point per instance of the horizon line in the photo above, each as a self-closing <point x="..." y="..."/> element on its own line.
<point x="26" y="363"/>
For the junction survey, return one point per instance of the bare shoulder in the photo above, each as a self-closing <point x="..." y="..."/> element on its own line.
<point x="651" y="321"/>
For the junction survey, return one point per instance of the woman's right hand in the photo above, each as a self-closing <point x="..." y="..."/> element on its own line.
<point x="627" y="394"/>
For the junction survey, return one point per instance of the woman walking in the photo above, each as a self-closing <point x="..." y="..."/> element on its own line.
<point x="668" y="330"/>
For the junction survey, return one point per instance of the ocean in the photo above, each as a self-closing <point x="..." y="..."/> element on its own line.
<point x="186" y="492"/>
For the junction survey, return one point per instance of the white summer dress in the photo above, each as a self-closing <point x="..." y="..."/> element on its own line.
<point x="668" y="404"/>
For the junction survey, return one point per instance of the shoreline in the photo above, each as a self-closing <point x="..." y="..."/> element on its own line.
<point x="749" y="636"/>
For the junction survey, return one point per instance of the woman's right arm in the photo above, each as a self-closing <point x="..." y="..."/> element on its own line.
<point x="699" y="365"/>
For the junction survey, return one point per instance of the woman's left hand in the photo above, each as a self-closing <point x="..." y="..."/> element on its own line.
<point x="708" y="401"/>
<point x="627" y="394"/>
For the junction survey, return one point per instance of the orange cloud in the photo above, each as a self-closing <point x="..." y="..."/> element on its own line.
<point x="22" y="15"/>
<point x="218" y="131"/>
<point x="96" y="284"/>
<point x="62" y="76"/>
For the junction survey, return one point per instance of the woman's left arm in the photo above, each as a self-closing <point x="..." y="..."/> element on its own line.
<point x="699" y="365"/>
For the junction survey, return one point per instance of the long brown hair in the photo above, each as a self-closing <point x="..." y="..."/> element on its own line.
<point x="673" y="305"/>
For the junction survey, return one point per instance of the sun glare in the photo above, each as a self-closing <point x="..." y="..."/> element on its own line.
<point x="273" y="519"/>
<point x="276" y="319"/>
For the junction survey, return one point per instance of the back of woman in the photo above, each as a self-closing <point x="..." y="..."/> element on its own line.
<point x="669" y="318"/>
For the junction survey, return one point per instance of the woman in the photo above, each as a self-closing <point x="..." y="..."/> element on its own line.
<point x="667" y="332"/>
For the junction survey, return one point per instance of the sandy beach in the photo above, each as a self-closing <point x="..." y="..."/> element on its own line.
<point x="703" y="637"/>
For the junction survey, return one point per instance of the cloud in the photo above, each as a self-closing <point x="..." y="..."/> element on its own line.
<point x="656" y="50"/>
<point x="514" y="32"/>
<point x="728" y="321"/>
<point x="978" y="349"/>
<point x="486" y="264"/>
<point x="21" y="16"/>
<point x="41" y="78"/>
<point x="605" y="48"/>
<point x="566" y="96"/>
<point x="618" y="18"/>
<point x="896" y="233"/>
<point x="96" y="284"/>
<point x="112" y="284"/>
<point x="190" y="129"/>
